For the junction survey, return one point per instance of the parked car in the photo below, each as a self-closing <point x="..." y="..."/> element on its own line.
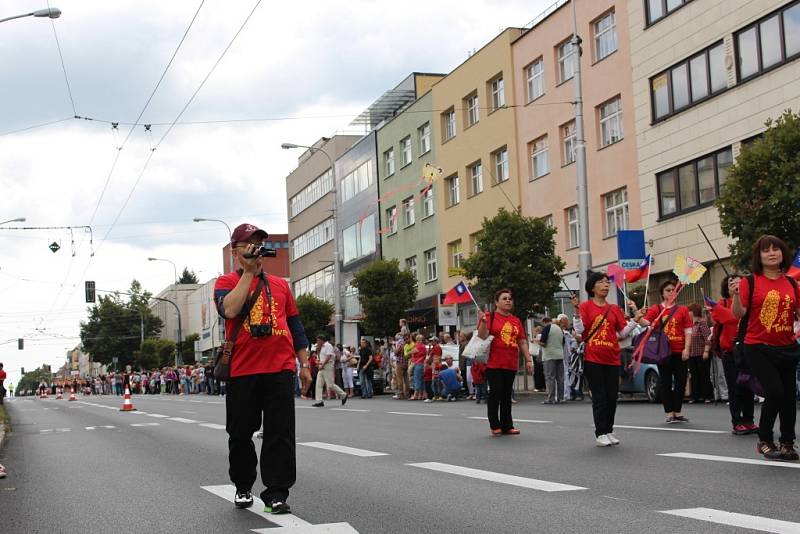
<point x="378" y="381"/>
<point x="645" y="381"/>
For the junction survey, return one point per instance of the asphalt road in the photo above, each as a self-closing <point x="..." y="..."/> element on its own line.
<point x="425" y="468"/>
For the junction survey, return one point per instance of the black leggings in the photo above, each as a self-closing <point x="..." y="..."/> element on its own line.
<point x="604" y="384"/>
<point x="740" y="398"/>
<point x="776" y="368"/>
<point x="672" y="391"/>
<point x="700" y="370"/>
<point x="501" y="385"/>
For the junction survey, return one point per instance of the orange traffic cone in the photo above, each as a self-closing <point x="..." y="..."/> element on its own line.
<point x="127" y="405"/>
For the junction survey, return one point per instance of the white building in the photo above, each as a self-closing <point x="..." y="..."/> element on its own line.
<point x="203" y="319"/>
<point x="179" y="294"/>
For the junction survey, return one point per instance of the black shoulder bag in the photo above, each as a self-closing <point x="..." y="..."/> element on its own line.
<point x="222" y="365"/>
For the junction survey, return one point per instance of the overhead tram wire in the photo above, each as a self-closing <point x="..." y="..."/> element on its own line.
<point x="63" y="66"/>
<point x="42" y="125"/>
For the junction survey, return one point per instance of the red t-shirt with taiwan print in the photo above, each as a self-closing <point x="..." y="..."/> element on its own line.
<point x="603" y="346"/>
<point x="675" y="329"/>
<point x="773" y="310"/>
<point x="507" y="331"/>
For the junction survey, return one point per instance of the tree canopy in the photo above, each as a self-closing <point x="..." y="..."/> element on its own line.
<point x="762" y="192"/>
<point x="188" y="277"/>
<point x="316" y="315"/>
<point x="155" y="353"/>
<point x="385" y="293"/>
<point x="30" y="380"/>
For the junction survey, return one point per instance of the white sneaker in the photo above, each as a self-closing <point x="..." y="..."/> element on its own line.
<point x="613" y="439"/>
<point x="603" y="441"/>
<point x="427" y="400"/>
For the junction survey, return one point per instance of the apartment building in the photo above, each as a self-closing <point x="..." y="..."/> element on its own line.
<point x="707" y="74"/>
<point x="179" y="294"/>
<point x="277" y="266"/>
<point x="544" y="66"/>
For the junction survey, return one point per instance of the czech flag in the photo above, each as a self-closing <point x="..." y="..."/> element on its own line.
<point x="458" y="295"/>
<point x="642" y="272"/>
<point x="794" y="269"/>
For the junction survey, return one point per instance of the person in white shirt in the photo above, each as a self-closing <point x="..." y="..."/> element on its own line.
<point x="325" y="358"/>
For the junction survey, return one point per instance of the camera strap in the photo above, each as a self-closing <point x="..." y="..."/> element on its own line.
<point x="228" y="346"/>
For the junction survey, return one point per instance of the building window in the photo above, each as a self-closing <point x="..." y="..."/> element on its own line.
<point x="431" y="268"/>
<point x="572" y="226"/>
<point x="773" y="40"/>
<point x="693" y="184"/>
<point x="540" y="157"/>
<point x="405" y="150"/>
<point x="605" y="36"/>
<point x="388" y="159"/>
<point x="671" y="90"/>
<point x="411" y="265"/>
<point x="616" y="203"/>
<point x="456" y="253"/>
<point x="476" y="178"/>
<point x="566" y="61"/>
<point x="472" y="109"/>
<point x="312" y="239"/>
<point x="548" y="220"/>
<point x="359" y="239"/>
<point x="535" y="75"/>
<point x="611" y="122"/>
<point x="427" y="202"/>
<point x="497" y="90"/>
<point x="391" y="220"/>
<point x="568" y="138"/>
<point x="314" y="191"/>
<point x="357" y="181"/>
<point x="453" y="190"/>
<point x="449" y="124"/>
<point x="408" y="212"/>
<point x="319" y="284"/>
<point x="424" y="133"/>
<point x="500" y="158"/>
<point x="658" y="9"/>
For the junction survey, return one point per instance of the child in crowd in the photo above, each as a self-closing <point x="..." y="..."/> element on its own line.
<point x="479" y="381"/>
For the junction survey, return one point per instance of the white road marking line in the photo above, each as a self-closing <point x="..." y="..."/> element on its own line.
<point x="156" y="415"/>
<point x="304" y="407"/>
<point x="45" y="431"/>
<point x="698" y="431"/>
<point x="415" y="413"/>
<point x="731" y="459"/>
<point x="182" y="420"/>
<point x="99" y="426"/>
<point x="63" y="429"/>
<point x="215" y="426"/>
<point x="343" y="449"/>
<point x="501" y="478"/>
<point x="515" y="420"/>
<point x="284" y="520"/>
<point x="328" y="528"/>
<point x="145" y="424"/>
<point x="348" y="410"/>
<point x="753" y="522"/>
<point x="215" y="402"/>
<point x="186" y="411"/>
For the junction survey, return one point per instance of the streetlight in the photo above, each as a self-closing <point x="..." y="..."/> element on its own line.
<point x="18" y="219"/>
<point x="175" y="287"/>
<point x="174" y="268"/>
<point x="337" y="294"/>
<point x="230" y="235"/>
<point x="50" y="12"/>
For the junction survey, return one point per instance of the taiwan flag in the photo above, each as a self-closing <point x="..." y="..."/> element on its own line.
<point x="794" y="268"/>
<point x="458" y="295"/>
<point x="642" y="272"/>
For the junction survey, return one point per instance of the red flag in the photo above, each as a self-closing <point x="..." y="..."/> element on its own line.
<point x="639" y="273"/>
<point x="616" y="273"/>
<point x="458" y="295"/>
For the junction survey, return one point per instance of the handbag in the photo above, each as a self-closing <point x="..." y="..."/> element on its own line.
<point x="222" y="364"/>
<point x="656" y="346"/>
<point x="478" y="348"/>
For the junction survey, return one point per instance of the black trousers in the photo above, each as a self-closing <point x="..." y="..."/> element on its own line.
<point x="740" y="398"/>
<point x="249" y="400"/>
<point x="501" y="385"/>
<point x="700" y="370"/>
<point x="776" y="368"/>
<point x="604" y="384"/>
<point x="672" y="375"/>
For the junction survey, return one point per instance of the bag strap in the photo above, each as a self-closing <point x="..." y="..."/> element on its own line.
<point x="246" y="310"/>
<point x="596" y="328"/>
<point x="670" y="315"/>
<point x="751" y="285"/>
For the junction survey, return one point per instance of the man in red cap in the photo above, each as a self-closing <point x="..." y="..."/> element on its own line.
<point x="260" y="310"/>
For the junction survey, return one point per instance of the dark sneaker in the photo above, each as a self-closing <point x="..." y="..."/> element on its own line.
<point x="243" y="499"/>
<point x="670" y="420"/>
<point x="681" y="419"/>
<point x="768" y="450"/>
<point x="740" y="430"/>
<point x="319" y="404"/>
<point x="277" y="507"/>
<point x="344" y="400"/>
<point x="788" y="452"/>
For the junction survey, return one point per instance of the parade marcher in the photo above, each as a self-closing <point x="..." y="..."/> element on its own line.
<point x="501" y="368"/>
<point x="768" y="302"/>
<point x="700" y="357"/>
<point x="325" y="359"/>
<point x="262" y="366"/>
<point x="552" y="342"/>
<point x="602" y="324"/>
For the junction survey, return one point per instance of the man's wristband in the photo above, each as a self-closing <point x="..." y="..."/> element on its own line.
<point x="305" y="365"/>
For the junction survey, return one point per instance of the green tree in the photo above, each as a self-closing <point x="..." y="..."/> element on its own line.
<point x="385" y="293"/>
<point x="155" y="353"/>
<point x="31" y="379"/>
<point x="316" y="314"/>
<point x="187" y="348"/>
<point x="762" y="192"/>
<point x="188" y="277"/>
<point x="517" y="253"/>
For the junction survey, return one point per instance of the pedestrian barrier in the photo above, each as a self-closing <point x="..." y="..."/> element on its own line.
<point x="127" y="405"/>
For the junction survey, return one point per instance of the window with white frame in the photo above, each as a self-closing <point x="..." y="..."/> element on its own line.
<point x="497" y="90"/>
<point x="408" y="212"/>
<point x="449" y="124"/>
<point x="453" y="190"/>
<point x="388" y="159"/>
<point x="548" y="220"/>
<point x="405" y="151"/>
<point x="391" y="220"/>
<point x="616" y="204"/>
<point x="358" y="180"/>
<point x="427" y="202"/>
<point x="476" y="178"/>
<point x="572" y="227"/>
<point x="424" y="133"/>
<point x="314" y="191"/>
<point x="319" y="284"/>
<point x="535" y="75"/>
<point x="566" y="61"/>
<point x="568" y="139"/>
<point x="431" y="267"/>
<point x="456" y="253"/>
<point x="540" y="157"/>
<point x="500" y="157"/>
<point x="312" y="239"/>
<point x="605" y="36"/>
<point x="611" y="122"/>
<point x="473" y="114"/>
<point x="358" y="240"/>
<point x="411" y="265"/>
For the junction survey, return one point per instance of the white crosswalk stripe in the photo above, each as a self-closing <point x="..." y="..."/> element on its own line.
<point x="752" y="522"/>
<point x="729" y="459"/>
<point x="490" y="476"/>
<point x="342" y="449"/>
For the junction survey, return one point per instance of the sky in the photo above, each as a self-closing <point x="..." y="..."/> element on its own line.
<point x="309" y="66"/>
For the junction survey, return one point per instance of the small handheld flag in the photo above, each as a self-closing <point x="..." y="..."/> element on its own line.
<point x="709" y="302"/>
<point x="640" y="273"/>
<point x="617" y="273"/>
<point x="460" y="294"/>
<point x="794" y="268"/>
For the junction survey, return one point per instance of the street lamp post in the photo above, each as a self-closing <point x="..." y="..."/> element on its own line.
<point x="179" y="354"/>
<point x="50" y="12"/>
<point x="18" y="219"/>
<point x="337" y="293"/>
<point x="230" y="235"/>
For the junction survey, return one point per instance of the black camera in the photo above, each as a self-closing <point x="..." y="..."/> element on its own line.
<point x="262" y="251"/>
<point x="261" y="330"/>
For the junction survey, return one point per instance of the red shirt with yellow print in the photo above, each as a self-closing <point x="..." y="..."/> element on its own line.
<point x="675" y="329"/>
<point x="772" y="312"/>
<point x="603" y="346"/>
<point x="507" y="331"/>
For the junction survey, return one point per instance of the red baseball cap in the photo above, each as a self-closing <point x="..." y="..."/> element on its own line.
<point x="245" y="231"/>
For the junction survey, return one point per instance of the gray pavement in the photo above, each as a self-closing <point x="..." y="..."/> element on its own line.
<point x="427" y="467"/>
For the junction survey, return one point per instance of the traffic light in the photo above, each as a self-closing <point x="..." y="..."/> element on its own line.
<point x="89" y="291"/>
<point x="20" y="344"/>
<point x="22" y="371"/>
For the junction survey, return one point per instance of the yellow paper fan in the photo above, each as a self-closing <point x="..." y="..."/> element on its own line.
<point x="688" y="270"/>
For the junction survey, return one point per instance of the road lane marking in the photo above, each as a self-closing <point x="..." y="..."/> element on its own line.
<point x="215" y="426"/>
<point x="752" y="522"/>
<point x="343" y="449"/>
<point x="416" y="413"/>
<point x="182" y="420"/>
<point x="45" y="431"/>
<point x="328" y="528"/>
<point x="730" y="459"/>
<point x="228" y="491"/>
<point x="515" y="420"/>
<point x="99" y="426"/>
<point x="158" y="415"/>
<point x="145" y="424"/>
<point x="348" y="410"/>
<point x="501" y="478"/>
<point x="698" y="431"/>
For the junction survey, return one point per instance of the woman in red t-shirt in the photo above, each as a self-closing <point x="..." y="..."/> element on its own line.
<point x="501" y="369"/>
<point x="772" y="304"/>
<point x="677" y="325"/>
<point x="602" y="324"/>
